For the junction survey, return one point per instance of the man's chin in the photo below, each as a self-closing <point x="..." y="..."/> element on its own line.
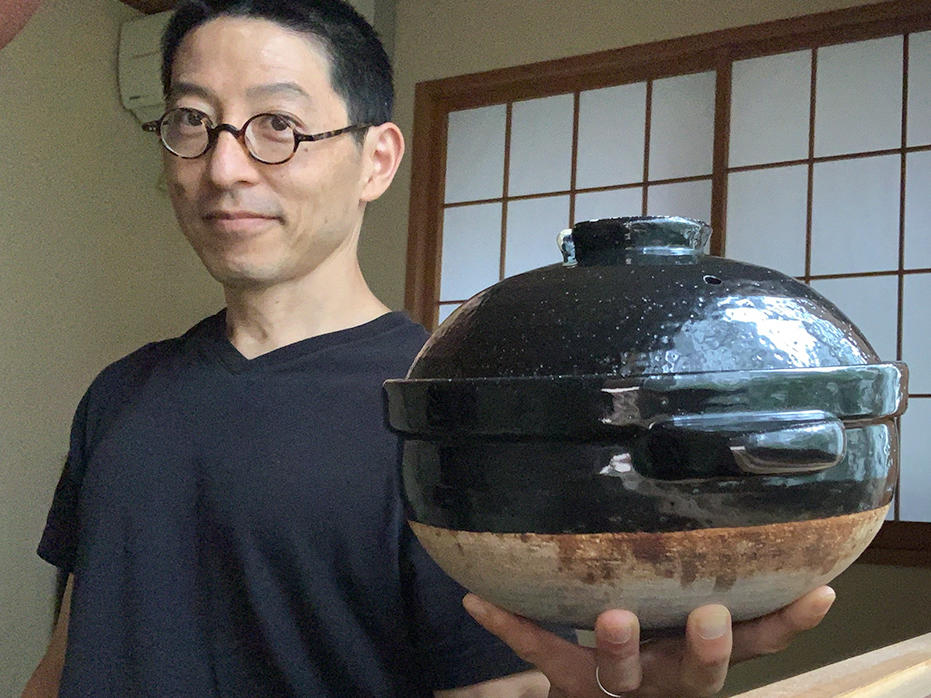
<point x="244" y="277"/>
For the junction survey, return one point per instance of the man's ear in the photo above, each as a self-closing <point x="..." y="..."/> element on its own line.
<point x="382" y="150"/>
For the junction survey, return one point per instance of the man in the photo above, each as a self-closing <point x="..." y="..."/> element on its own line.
<point x="229" y="514"/>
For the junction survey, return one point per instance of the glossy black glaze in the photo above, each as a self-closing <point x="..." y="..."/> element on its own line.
<point x="593" y="407"/>
<point x="643" y="386"/>
<point x="642" y="318"/>
<point x="595" y="487"/>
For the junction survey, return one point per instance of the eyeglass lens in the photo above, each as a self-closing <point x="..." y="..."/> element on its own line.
<point x="268" y="137"/>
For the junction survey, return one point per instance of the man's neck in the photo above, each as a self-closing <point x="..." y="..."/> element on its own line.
<point x="260" y="320"/>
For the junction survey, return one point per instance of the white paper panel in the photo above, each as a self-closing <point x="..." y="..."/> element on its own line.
<point x="689" y="199"/>
<point x="919" y="89"/>
<point x="766" y="212"/>
<point x="682" y="126"/>
<point x="471" y="250"/>
<point x="872" y="303"/>
<point x="533" y="227"/>
<point x="770" y="105"/>
<point x="858" y="97"/>
<point x="475" y="154"/>
<point x="855" y="215"/>
<point x="916" y="332"/>
<point x="612" y="122"/>
<point x="915" y="481"/>
<point x="616" y="203"/>
<point x="445" y="310"/>
<point x="541" y="145"/>
<point x="918" y="210"/>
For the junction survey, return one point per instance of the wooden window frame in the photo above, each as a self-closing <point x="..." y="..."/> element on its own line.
<point x="899" y="542"/>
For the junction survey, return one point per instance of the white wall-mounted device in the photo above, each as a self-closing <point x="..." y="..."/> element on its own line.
<point x="140" y="65"/>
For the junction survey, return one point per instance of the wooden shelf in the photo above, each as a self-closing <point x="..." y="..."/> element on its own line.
<point x="902" y="670"/>
<point x="150" y="6"/>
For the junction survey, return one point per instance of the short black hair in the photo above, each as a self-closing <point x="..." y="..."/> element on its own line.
<point x="360" y="71"/>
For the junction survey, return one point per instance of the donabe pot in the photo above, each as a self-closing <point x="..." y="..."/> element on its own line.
<point x="646" y="427"/>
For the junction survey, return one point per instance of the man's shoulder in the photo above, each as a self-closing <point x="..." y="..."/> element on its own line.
<point x="132" y="367"/>
<point x="403" y="333"/>
<point x="389" y="342"/>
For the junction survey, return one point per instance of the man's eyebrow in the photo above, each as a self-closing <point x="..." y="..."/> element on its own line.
<point x="277" y="88"/>
<point x="183" y="89"/>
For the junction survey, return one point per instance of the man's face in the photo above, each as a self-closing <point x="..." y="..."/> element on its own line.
<point x="256" y="225"/>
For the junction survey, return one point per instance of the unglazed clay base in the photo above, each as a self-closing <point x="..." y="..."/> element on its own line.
<point x="568" y="579"/>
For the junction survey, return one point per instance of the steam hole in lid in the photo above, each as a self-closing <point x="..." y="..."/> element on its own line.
<point x="713" y="280"/>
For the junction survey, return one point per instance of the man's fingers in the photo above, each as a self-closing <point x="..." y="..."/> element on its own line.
<point x="707" y="653"/>
<point x="559" y="659"/>
<point x="697" y="667"/>
<point x="775" y="631"/>
<point x="617" y="650"/>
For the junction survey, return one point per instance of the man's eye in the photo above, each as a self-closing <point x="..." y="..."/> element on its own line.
<point x="189" y="118"/>
<point x="278" y="122"/>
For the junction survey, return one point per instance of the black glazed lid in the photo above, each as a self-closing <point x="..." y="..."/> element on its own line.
<point x="638" y="331"/>
<point x="636" y="296"/>
<point x="644" y="386"/>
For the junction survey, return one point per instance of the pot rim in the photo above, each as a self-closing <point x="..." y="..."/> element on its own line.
<point x="595" y="406"/>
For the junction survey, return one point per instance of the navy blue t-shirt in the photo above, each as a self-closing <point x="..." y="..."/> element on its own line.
<point x="235" y="528"/>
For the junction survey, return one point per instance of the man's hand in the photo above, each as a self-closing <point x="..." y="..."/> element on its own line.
<point x="693" y="665"/>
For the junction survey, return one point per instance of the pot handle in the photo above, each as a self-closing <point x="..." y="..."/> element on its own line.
<point x="776" y="443"/>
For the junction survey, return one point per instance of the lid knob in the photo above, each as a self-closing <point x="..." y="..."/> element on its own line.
<point x="611" y="240"/>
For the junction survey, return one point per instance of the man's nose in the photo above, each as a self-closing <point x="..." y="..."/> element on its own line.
<point x="229" y="161"/>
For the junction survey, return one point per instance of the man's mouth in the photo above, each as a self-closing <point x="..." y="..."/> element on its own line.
<point x="238" y="221"/>
<point x="236" y="215"/>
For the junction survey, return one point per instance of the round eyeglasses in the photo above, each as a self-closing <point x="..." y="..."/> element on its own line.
<point x="269" y="138"/>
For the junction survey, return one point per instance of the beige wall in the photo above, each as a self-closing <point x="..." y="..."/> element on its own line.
<point x="91" y="266"/>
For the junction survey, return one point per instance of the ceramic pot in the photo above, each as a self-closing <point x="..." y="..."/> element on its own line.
<point x="646" y="427"/>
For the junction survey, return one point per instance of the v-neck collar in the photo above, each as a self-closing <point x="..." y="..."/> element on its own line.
<point x="217" y="345"/>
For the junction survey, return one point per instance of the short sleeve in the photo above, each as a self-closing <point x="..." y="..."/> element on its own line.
<point x="60" y="537"/>
<point x="453" y="650"/>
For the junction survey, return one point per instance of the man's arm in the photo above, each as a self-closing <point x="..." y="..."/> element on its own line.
<point x="44" y="680"/>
